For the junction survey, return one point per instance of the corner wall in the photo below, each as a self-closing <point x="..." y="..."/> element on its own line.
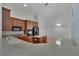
<point x="0" y="28"/>
<point x="75" y="23"/>
<point x="0" y="20"/>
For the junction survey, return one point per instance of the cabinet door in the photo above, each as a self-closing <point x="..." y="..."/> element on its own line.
<point x="36" y="40"/>
<point x="29" y="39"/>
<point x="45" y="39"/>
<point x="41" y="40"/>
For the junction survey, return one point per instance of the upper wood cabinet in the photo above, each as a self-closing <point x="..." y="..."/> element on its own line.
<point x="18" y="22"/>
<point x="30" y="24"/>
<point x="6" y="23"/>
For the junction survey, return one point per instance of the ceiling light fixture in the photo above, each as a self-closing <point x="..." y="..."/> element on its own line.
<point x="58" y="24"/>
<point x="25" y="5"/>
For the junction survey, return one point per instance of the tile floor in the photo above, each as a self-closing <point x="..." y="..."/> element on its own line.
<point x="22" y="48"/>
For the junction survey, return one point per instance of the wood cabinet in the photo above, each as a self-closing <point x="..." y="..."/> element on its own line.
<point x="30" y="24"/>
<point x="6" y="22"/>
<point x="18" y="22"/>
<point x="39" y="39"/>
<point x="29" y="38"/>
<point x="33" y="39"/>
<point x="23" y="37"/>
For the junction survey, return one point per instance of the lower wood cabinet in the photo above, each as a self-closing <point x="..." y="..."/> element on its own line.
<point x="29" y="38"/>
<point x="39" y="39"/>
<point x="33" y="39"/>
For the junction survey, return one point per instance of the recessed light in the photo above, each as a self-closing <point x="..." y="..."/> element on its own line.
<point x="25" y="5"/>
<point x="58" y="24"/>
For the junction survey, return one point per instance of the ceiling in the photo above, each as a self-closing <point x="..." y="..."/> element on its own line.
<point x="40" y="8"/>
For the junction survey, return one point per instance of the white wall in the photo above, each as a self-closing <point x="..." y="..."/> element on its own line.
<point x="15" y="12"/>
<point x="75" y="23"/>
<point x="21" y="15"/>
<point x="0" y="27"/>
<point x="63" y="32"/>
<point x="48" y="26"/>
<point x="42" y="24"/>
<point x="0" y="20"/>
